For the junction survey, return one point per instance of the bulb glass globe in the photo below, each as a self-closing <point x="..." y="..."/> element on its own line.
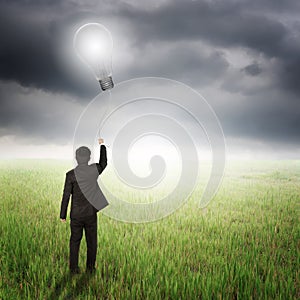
<point x="93" y="44"/>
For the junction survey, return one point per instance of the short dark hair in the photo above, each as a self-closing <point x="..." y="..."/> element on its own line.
<point x="83" y="154"/>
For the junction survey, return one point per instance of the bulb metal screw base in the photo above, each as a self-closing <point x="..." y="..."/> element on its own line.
<point x="106" y="83"/>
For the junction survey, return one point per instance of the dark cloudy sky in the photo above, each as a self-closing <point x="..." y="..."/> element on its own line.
<point x="242" y="56"/>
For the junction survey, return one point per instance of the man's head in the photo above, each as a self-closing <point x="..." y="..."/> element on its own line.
<point x="83" y="155"/>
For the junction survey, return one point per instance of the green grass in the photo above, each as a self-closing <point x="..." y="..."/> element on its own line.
<point x="244" y="245"/>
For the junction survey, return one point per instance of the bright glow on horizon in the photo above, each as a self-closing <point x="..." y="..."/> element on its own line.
<point x="12" y="148"/>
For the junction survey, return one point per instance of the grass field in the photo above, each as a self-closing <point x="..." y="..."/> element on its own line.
<point x="244" y="245"/>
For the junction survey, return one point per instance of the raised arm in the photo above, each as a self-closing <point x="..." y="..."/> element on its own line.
<point x="103" y="158"/>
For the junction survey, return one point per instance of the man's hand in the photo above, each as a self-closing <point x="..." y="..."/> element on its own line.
<point x="100" y="141"/>
<point x="63" y="220"/>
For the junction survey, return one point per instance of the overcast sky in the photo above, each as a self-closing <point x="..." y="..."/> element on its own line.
<point x="242" y="56"/>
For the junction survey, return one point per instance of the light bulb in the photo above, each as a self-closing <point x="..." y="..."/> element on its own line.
<point x="93" y="44"/>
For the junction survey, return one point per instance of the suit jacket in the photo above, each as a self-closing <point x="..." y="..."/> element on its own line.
<point x="81" y="182"/>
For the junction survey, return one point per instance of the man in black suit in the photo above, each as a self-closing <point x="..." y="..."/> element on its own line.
<point x="87" y="200"/>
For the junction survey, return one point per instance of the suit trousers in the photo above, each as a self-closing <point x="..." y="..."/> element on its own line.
<point x="89" y="224"/>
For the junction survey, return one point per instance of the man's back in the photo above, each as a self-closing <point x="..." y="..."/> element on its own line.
<point x="81" y="182"/>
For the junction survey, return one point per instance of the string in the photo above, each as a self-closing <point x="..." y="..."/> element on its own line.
<point x="106" y="113"/>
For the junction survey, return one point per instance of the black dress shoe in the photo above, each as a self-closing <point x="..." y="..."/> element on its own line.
<point x="75" y="271"/>
<point x="91" y="270"/>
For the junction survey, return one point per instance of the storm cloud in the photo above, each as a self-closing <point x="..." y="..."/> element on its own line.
<point x="242" y="56"/>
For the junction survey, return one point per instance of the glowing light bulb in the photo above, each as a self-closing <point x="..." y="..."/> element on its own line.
<point x="93" y="44"/>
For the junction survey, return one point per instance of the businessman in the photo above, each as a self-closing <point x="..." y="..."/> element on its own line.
<point x="87" y="200"/>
